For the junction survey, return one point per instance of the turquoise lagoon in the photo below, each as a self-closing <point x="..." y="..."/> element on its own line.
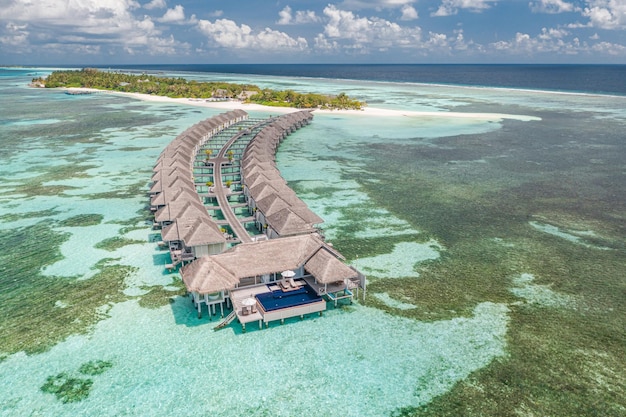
<point x="405" y="198"/>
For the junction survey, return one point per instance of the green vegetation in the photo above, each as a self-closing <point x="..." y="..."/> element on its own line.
<point x="68" y="389"/>
<point x="180" y="87"/>
<point x="562" y="359"/>
<point x="94" y="367"/>
<point x="64" y="306"/>
<point x="82" y="220"/>
<point x="71" y="388"/>
<point x="160" y="296"/>
<point x="116" y="242"/>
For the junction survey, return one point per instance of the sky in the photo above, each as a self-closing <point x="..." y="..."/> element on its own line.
<point x="106" y="32"/>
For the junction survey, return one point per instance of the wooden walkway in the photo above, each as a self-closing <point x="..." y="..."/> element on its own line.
<point x="221" y="193"/>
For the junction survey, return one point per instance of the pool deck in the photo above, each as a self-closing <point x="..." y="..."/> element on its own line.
<point x="239" y="295"/>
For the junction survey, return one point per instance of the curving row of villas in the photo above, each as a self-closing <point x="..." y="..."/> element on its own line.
<point x="284" y="270"/>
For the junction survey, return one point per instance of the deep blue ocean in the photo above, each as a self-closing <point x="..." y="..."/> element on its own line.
<point x="603" y="79"/>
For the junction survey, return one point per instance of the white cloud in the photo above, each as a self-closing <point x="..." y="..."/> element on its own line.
<point x="226" y="33"/>
<point x="408" y="13"/>
<point x="175" y="15"/>
<point x="306" y="16"/>
<point x="155" y="4"/>
<point x="547" y="34"/>
<point x="552" y="42"/>
<point x="609" y="48"/>
<point x="606" y="14"/>
<point x="285" y="17"/>
<point x="451" y="7"/>
<point x="552" y="6"/>
<point x="86" y="25"/>
<point x="302" y="16"/>
<point x="374" y="4"/>
<point x="323" y="44"/>
<point x="88" y="16"/>
<point x="459" y="42"/>
<point x="15" y="35"/>
<point x="367" y="32"/>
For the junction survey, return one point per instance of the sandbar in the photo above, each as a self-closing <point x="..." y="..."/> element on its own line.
<point x="366" y="111"/>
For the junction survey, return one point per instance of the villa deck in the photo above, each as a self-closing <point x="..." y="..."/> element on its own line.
<point x="248" y="308"/>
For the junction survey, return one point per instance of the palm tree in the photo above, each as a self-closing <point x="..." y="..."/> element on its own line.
<point x="208" y="153"/>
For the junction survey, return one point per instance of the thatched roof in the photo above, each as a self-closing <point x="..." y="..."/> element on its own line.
<point x="224" y="271"/>
<point x="271" y="204"/>
<point x="206" y="276"/>
<point x="170" y="182"/>
<point x="326" y="268"/>
<point x="287" y="223"/>
<point x="174" y="172"/>
<point x="193" y="232"/>
<point x="179" y="209"/>
<point x="264" y="189"/>
<point x="171" y="195"/>
<point x="258" y="177"/>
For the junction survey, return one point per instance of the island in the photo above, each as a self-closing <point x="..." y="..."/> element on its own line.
<point x="177" y="87"/>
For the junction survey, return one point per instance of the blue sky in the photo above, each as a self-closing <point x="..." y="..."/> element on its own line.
<point x="97" y="32"/>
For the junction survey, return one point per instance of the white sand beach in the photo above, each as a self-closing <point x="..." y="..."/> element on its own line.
<point x="366" y="111"/>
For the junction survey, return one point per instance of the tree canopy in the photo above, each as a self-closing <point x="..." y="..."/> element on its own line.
<point x="180" y="87"/>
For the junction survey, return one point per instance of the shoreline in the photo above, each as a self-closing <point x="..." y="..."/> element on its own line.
<point x="367" y="111"/>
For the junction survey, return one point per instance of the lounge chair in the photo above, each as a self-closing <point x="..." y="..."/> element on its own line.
<point x="293" y="283"/>
<point x="245" y="311"/>
<point x="285" y="284"/>
<point x="253" y="308"/>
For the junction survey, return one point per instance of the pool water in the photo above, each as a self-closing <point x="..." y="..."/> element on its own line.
<point x="277" y="299"/>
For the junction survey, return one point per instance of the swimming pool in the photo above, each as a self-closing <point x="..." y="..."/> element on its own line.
<point x="277" y="299"/>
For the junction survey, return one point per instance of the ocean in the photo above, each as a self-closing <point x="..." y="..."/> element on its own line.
<point x="494" y="247"/>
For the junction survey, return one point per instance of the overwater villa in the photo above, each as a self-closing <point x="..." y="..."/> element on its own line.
<point x="271" y="280"/>
<point x="278" y="267"/>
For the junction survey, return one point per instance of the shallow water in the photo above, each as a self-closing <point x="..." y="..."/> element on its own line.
<point x="448" y="218"/>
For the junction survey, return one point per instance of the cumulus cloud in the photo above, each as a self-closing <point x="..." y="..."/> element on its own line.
<point x="374" y="4"/>
<point x="14" y="35"/>
<point x="87" y="25"/>
<point x="609" y="48"/>
<point x="323" y="44"/>
<point x="226" y="33"/>
<point x="302" y="16"/>
<point x="555" y="41"/>
<point x="284" y="16"/>
<point x="551" y="6"/>
<point x="547" y="34"/>
<point x="451" y="7"/>
<point x="175" y="15"/>
<point x="155" y="4"/>
<point x="606" y="14"/>
<point x="408" y="13"/>
<point x="366" y="32"/>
